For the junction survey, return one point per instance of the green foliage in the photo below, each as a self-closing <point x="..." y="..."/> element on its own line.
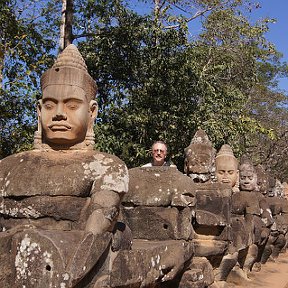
<point x="25" y="53"/>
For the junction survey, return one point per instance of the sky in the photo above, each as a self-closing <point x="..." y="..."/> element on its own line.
<point x="278" y="32"/>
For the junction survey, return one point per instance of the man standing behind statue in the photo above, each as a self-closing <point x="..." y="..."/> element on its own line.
<point x="60" y="201"/>
<point x="159" y="154"/>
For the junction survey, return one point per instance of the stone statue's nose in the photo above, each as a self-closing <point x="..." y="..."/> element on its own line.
<point x="60" y="113"/>
<point x="60" y="116"/>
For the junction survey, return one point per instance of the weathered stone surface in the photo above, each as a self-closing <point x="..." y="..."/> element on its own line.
<point x="192" y="278"/>
<point x="246" y="202"/>
<point x="275" y="204"/>
<point x="47" y="259"/>
<point x="70" y="173"/>
<point x="204" y="265"/>
<point x="241" y="232"/>
<point x="158" y="223"/>
<point x="57" y="207"/>
<point x="211" y="213"/>
<point x="150" y="262"/>
<point x="209" y="247"/>
<point x="158" y="186"/>
<point x="43" y="223"/>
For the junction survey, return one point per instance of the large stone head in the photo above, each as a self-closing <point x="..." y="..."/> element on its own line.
<point x="227" y="167"/>
<point x="67" y="110"/>
<point x="199" y="161"/>
<point x="248" y="177"/>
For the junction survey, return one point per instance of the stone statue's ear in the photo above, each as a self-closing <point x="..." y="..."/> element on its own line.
<point x="93" y="109"/>
<point x="39" y="107"/>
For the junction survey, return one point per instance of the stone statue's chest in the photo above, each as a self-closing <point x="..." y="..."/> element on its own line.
<point x="51" y="176"/>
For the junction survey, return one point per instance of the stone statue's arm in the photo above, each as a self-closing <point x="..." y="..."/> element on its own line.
<point x="104" y="209"/>
<point x="105" y="201"/>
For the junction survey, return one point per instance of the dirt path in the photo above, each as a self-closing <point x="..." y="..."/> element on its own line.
<point x="272" y="275"/>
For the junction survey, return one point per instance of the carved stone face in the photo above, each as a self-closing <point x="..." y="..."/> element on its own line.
<point x="199" y="162"/>
<point x="65" y="115"/>
<point x="199" y="159"/>
<point x="227" y="170"/>
<point x="248" y="178"/>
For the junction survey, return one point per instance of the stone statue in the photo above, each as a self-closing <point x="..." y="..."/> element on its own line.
<point x="279" y="210"/>
<point x="60" y="201"/>
<point x="227" y="173"/>
<point x="248" y="178"/>
<point x="199" y="163"/>
<point x="227" y="167"/>
<point x="257" y="215"/>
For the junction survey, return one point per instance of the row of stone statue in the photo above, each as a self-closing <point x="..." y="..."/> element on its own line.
<point x="71" y="216"/>
<point x="233" y="214"/>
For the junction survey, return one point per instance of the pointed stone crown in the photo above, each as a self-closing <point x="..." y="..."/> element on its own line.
<point x="70" y="69"/>
<point x="201" y="137"/>
<point x="225" y="150"/>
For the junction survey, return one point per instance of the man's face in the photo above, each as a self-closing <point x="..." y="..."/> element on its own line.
<point x="248" y="180"/>
<point x="64" y="115"/>
<point x="159" y="152"/>
<point x="226" y="170"/>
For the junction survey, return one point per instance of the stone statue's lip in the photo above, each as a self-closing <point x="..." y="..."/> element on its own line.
<point x="226" y="181"/>
<point x="59" y="127"/>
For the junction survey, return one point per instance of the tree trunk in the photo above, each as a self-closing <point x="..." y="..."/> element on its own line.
<point x="66" y="35"/>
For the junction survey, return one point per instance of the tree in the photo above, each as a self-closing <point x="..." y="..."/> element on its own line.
<point x="158" y="84"/>
<point x="25" y="53"/>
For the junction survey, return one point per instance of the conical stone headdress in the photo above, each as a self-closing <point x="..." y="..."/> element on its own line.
<point x="201" y="137"/>
<point x="225" y="150"/>
<point x="70" y="69"/>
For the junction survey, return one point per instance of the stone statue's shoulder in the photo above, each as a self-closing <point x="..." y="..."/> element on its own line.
<point x="61" y="173"/>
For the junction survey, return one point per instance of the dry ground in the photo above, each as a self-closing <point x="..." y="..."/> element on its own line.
<point x="272" y="275"/>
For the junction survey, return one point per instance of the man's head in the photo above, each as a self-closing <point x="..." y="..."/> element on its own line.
<point x="227" y="166"/>
<point x="248" y="177"/>
<point x="159" y="153"/>
<point x="67" y="110"/>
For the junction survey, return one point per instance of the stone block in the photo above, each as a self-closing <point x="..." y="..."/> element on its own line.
<point x="209" y="247"/>
<point x="211" y="215"/>
<point x="158" y="223"/>
<point x="149" y="263"/>
<point x="159" y="186"/>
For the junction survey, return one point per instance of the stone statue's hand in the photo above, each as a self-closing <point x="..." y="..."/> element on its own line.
<point x="165" y="266"/>
<point x="171" y="271"/>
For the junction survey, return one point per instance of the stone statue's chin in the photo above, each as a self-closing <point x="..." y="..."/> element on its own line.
<point x="60" y="138"/>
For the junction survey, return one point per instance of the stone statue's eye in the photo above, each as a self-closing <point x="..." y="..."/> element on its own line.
<point x="48" y="105"/>
<point x="72" y="105"/>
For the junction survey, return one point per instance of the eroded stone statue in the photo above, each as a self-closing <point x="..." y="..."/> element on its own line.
<point x="199" y="161"/>
<point x="60" y="201"/>
<point x="227" y="173"/>
<point x="227" y="167"/>
<point x="251" y="203"/>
